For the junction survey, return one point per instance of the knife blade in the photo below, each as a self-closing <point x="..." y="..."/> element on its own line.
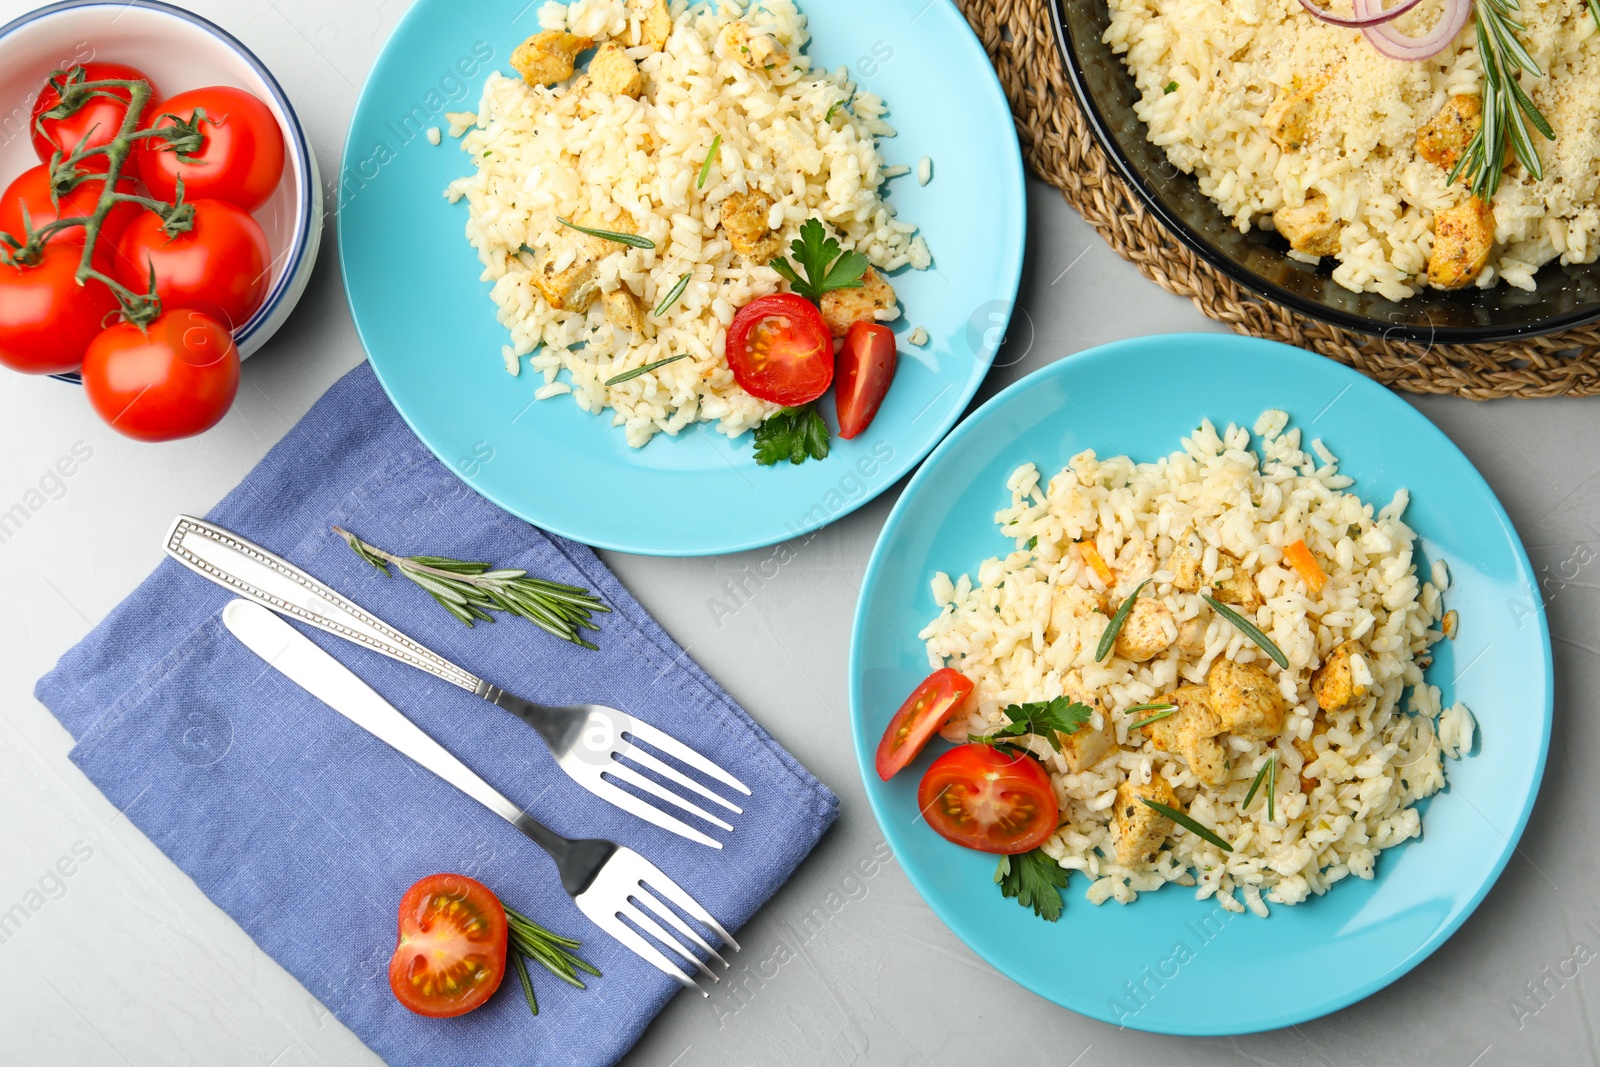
<point x="297" y="658"/>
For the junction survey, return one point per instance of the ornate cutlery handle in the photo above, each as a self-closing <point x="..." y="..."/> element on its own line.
<point x="250" y="571"/>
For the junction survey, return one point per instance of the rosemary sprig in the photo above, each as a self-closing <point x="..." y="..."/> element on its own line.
<point x="1507" y="109"/>
<point x="470" y="591"/>
<point x="705" y="168"/>
<point x="1187" y="823"/>
<point x="1114" y="627"/>
<point x="630" y="375"/>
<point x="1249" y="629"/>
<point x="554" y="953"/>
<point x="1162" y="711"/>
<point x="1269" y="774"/>
<point x="632" y="240"/>
<point x="683" y="283"/>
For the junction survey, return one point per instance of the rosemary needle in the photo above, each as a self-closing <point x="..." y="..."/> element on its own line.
<point x="1249" y="629"/>
<point x="705" y="168"/>
<point x="632" y="240"/>
<point x="470" y="591"/>
<point x="1187" y="823"/>
<point x="629" y="375"/>
<point x="1109" y="637"/>
<point x="1166" y="712"/>
<point x="683" y="283"/>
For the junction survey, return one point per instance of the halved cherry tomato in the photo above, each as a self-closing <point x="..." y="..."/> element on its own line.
<point x="220" y="266"/>
<point x="175" y="378"/>
<point x="780" y="350"/>
<point x="98" y="121"/>
<point x="31" y="190"/>
<point x="984" y="799"/>
<point x="928" y="708"/>
<point x="452" y="949"/>
<point x="46" y="318"/>
<point x="866" y="367"/>
<point x="239" y="157"/>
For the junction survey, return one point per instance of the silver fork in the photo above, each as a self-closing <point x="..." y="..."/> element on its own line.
<point x="608" y="882"/>
<point x="589" y="741"/>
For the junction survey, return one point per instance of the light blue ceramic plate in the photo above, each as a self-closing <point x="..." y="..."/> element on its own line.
<point x="429" y="326"/>
<point x="1169" y="963"/>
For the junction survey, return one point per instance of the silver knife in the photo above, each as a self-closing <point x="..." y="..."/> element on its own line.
<point x="294" y="656"/>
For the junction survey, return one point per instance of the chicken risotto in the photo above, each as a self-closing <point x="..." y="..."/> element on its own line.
<point x="1382" y="159"/>
<point x="1228" y="635"/>
<point x="629" y="210"/>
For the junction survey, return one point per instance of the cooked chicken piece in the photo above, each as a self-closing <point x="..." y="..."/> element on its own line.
<point x="1463" y="237"/>
<point x="1443" y="140"/>
<point x="1185" y="563"/>
<point x="1188" y="574"/>
<point x="1148" y="631"/>
<point x="1088" y="746"/>
<point x="753" y="51"/>
<point x="1333" y="683"/>
<point x="623" y="310"/>
<point x="574" y="288"/>
<point x="1141" y="829"/>
<point x="613" y="73"/>
<point x="1246" y="699"/>
<point x="1135" y="562"/>
<point x="655" y="22"/>
<point x="1238" y="588"/>
<point x="1291" y="117"/>
<point x="873" y="301"/>
<point x="1308" y="753"/>
<point x="1309" y="228"/>
<point x="1192" y="638"/>
<point x="549" y="57"/>
<point x="1191" y="732"/>
<point x="744" y="220"/>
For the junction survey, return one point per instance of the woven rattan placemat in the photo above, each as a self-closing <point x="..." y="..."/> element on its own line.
<point x="1059" y="147"/>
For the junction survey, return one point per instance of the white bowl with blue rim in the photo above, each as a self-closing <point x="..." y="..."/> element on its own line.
<point x="178" y="50"/>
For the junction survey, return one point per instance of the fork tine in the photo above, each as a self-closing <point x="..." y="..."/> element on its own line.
<point x="648" y="900"/>
<point x="634" y="914"/>
<point x="678" y="750"/>
<point x="648" y="812"/>
<point x="647" y="952"/>
<point x="639" y="781"/>
<point x="669" y="889"/>
<point x="645" y="759"/>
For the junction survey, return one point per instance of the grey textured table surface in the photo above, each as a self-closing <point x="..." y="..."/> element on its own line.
<point x="128" y="963"/>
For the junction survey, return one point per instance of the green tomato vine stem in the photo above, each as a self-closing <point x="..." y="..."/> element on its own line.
<point x="66" y="174"/>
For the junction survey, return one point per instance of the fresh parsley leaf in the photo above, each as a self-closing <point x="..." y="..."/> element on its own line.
<point x="822" y="265"/>
<point x="1172" y="87"/>
<point x="1035" y="880"/>
<point x="1047" y="718"/>
<point x="793" y="434"/>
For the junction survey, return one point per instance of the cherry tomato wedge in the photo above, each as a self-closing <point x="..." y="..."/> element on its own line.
<point x="175" y="378"/>
<point x="780" y="350"/>
<point x="46" y="318"/>
<point x="31" y="190"/>
<point x="220" y="266"/>
<point x="239" y="155"/>
<point x="928" y="708"/>
<point x="97" y="122"/>
<point x="452" y="949"/>
<point x="985" y="799"/>
<point x="866" y="367"/>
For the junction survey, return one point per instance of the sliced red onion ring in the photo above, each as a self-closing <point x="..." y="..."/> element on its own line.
<point x="1361" y="20"/>
<point x="1396" y="45"/>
